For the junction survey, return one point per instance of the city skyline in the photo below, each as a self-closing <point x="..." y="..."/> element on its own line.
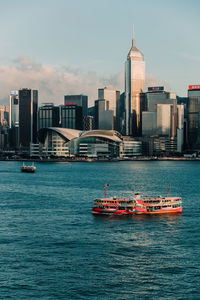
<point x="64" y="50"/>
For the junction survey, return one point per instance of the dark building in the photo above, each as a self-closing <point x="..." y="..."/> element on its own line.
<point x="78" y="100"/>
<point x="71" y="116"/>
<point x="184" y="101"/>
<point x="194" y="117"/>
<point x="91" y="111"/>
<point x="28" y="105"/>
<point x="88" y="123"/>
<point x="48" y="116"/>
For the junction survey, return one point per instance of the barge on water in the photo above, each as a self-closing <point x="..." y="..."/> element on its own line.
<point x="28" y="169"/>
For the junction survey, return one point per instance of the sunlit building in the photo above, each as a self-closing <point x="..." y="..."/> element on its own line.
<point x="112" y="97"/>
<point x="134" y="85"/>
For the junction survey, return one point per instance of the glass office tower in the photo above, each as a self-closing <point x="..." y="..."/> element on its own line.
<point x="134" y="85"/>
<point x="194" y="116"/>
<point x="28" y="106"/>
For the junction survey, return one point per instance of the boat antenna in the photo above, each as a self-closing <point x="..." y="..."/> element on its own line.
<point x="105" y="190"/>
<point x="169" y="190"/>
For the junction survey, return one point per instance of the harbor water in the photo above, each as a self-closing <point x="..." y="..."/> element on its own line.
<point x="52" y="247"/>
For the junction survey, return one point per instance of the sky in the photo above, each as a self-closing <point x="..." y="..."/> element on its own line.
<point x="65" y="47"/>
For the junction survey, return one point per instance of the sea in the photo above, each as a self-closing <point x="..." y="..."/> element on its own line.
<point x="52" y="247"/>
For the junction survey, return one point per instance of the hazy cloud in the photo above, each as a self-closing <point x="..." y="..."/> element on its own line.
<point x="53" y="82"/>
<point x="154" y="81"/>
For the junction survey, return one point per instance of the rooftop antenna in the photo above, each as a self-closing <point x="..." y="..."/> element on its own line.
<point x="133" y="36"/>
<point x="105" y="190"/>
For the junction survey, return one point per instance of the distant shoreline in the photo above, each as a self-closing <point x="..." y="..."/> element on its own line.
<point x="54" y="160"/>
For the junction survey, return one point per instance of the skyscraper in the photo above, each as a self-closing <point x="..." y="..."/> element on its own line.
<point x="28" y="104"/>
<point x="194" y="116"/>
<point x="78" y="100"/>
<point x="112" y="96"/>
<point x="71" y="116"/>
<point x="103" y="116"/>
<point x="48" y="116"/>
<point x="13" y="109"/>
<point x="134" y="85"/>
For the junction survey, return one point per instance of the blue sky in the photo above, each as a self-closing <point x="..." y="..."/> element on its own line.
<point x="62" y="46"/>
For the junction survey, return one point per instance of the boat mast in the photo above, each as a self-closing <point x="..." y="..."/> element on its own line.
<point x="169" y="190"/>
<point x="105" y="190"/>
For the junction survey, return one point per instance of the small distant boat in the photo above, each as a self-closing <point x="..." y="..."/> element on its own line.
<point x="28" y="169"/>
<point x="137" y="205"/>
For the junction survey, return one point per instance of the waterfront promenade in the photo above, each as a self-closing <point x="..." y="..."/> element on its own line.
<point x="85" y="159"/>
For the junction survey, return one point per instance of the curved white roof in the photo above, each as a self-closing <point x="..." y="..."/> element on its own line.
<point x="108" y="134"/>
<point x="70" y="134"/>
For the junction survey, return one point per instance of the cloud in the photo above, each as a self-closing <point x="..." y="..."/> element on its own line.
<point x="51" y="83"/>
<point x="151" y="80"/>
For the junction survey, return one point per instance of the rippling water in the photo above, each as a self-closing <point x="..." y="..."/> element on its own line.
<point x="52" y="247"/>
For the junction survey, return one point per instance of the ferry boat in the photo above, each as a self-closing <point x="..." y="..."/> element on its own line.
<point x="28" y="169"/>
<point x="137" y="205"/>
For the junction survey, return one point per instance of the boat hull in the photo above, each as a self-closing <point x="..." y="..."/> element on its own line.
<point x="100" y="211"/>
<point x="27" y="170"/>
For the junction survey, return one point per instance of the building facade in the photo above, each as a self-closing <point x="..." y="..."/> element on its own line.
<point x="13" y="109"/>
<point x="103" y="116"/>
<point x="78" y="100"/>
<point x="112" y="97"/>
<point x="71" y="116"/>
<point x="134" y="85"/>
<point x="28" y="107"/>
<point x="70" y="142"/>
<point x="194" y="117"/>
<point x="48" y="116"/>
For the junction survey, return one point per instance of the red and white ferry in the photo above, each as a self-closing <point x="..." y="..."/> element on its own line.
<point x="137" y="205"/>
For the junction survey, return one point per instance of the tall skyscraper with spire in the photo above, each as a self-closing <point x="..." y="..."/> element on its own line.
<point x="134" y="85"/>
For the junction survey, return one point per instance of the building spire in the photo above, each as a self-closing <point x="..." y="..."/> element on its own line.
<point x="133" y="37"/>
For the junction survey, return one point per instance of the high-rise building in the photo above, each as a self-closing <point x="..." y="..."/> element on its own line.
<point x="13" y="109"/>
<point x="112" y="96"/>
<point x="194" y="117"/>
<point x="78" y="100"/>
<point x="48" y="116"/>
<point x="164" y="119"/>
<point x="28" y="105"/>
<point x="4" y="116"/>
<point x="88" y="123"/>
<point x="156" y="95"/>
<point x="71" y="116"/>
<point x="103" y="116"/>
<point x="122" y="114"/>
<point x="154" y="115"/>
<point x="180" y="127"/>
<point x="134" y="85"/>
<point x="14" y="120"/>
